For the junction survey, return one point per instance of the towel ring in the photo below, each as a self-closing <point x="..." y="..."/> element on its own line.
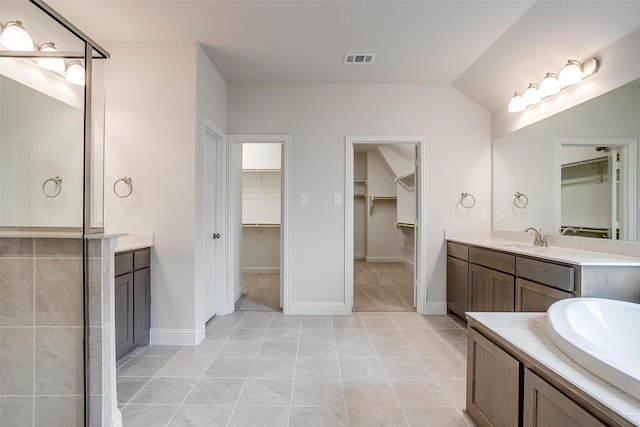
<point x="517" y="200"/>
<point x="126" y="180"/>
<point x="464" y="196"/>
<point x="58" y="183"/>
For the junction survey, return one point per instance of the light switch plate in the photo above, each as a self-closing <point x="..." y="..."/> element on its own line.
<point x="337" y="199"/>
<point x="484" y="217"/>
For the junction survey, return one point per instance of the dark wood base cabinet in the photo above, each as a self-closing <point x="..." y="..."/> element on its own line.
<point x="504" y="391"/>
<point x="132" y="300"/>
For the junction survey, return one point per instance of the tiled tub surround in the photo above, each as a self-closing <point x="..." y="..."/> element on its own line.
<point x="42" y="331"/>
<point x="269" y="369"/>
<point x="523" y="336"/>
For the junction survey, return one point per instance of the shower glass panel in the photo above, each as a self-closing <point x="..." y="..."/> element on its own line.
<point x="51" y="199"/>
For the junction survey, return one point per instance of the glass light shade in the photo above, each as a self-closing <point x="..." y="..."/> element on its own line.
<point x="516" y="104"/>
<point x="549" y="86"/>
<point x="15" y="37"/>
<point x="531" y="95"/>
<point x="570" y="74"/>
<point x="52" y="64"/>
<point x="75" y="74"/>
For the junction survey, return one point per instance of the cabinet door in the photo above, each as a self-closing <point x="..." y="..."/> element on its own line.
<point x="457" y="285"/>
<point x="534" y="297"/>
<point x="490" y="290"/>
<point x="141" y="306"/>
<point x="545" y="406"/>
<point x="124" y="314"/>
<point x="493" y="383"/>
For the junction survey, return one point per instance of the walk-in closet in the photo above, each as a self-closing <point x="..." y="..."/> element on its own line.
<point x="261" y="220"/>
<point x="384" y="224"/>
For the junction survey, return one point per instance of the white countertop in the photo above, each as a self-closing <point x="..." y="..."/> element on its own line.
<point x="132" y="241"/>
<point x="552" y="253"/>
<point x="525" y="331"/>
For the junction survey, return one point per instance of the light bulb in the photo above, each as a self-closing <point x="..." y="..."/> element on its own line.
<point x="52" y="64"/>
<point x="549" y="85"/>
<point x="516" y="104"/>
<point x="15" y="37"/>
<point x="531" y="95"/>
<point x="75" y="74"/>
<point x="570" y="74"/>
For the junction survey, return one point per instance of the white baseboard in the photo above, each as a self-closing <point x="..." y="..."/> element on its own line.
<point x="260" y="270"/>
<point x="317" y="308"/>
<point x="409" y="262"/>
<point x="358" y="256"/>
<point x="436" y="308"/>
<point x="383" y="259"/>
<point x="174" y="336"/>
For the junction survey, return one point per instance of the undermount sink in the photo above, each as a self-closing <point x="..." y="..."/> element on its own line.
<point x="601" y="335"/>
<point x="515" y="246"/>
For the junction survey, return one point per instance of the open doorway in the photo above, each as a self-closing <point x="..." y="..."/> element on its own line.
<point x="384" y="208"/>
<point x="261" y="231"/>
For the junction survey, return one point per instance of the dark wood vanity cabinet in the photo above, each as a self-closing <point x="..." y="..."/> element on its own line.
<point x="132" y="300"/>
<point x="457" y="278"/>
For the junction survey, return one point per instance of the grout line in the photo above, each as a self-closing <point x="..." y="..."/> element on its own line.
<point x="344" y="397"/>
<point x="235" y="406"/>
<point x="295" y="368"/>
<point x="35" y="290"/>
<point x="203" y="372"/>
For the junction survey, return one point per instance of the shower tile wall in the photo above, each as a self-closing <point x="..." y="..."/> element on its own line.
<point x="41" y="332"/>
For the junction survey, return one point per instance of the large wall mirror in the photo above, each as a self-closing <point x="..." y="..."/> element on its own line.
<point x="573" y="173"/>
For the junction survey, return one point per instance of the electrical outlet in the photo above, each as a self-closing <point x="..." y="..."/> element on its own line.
<point x="304" y="199"/>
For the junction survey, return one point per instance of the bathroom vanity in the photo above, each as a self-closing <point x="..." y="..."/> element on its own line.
<point x="517" y="377"/>
<point x="132" y="299"/>
<point x="486" y="274"/>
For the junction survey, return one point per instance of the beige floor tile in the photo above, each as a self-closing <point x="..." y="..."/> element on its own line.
<point x="318" y="417"/>
<point x="422" y="392"/>
<point x="164" y="391"/>
<point x="273" y="367"/>
<point x="266" y="392"/>
<point x="259" y="416"/>
<point x="215" y="391"/>
<point x="201" y="416"/>
<point x="317" y="392"/>
<point x="312" y="367"/>
<point x="361" y="368"/>
<point x="369" y="393"/>
<point x="147" y="415"/>
<point x="434" y="417"/>
<point x="376" y="417"/>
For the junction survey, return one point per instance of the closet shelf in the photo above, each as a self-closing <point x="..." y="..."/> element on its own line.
<point x="407" y="180"/>
<point x="261" y="225"/>
<point x="261" y="170"/>
<point x="373" y="199"/>
<point x="360" y="196"/>
<point x="405" y="225"/>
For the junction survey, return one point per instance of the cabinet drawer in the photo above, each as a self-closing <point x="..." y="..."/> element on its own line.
<point x="534" y="297"/>
<point x="555" y="275"/>
<point x="123" y="263"/>
<point x="141" y="259"/>
<point x="495" y="260"/>
<point x="458" y="250"/>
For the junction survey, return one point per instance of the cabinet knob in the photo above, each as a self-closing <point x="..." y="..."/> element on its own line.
<point x="216" y="235"/>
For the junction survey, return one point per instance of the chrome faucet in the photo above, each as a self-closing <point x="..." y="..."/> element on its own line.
<point x="539" y="240"/>
<point x="568" y="229"/>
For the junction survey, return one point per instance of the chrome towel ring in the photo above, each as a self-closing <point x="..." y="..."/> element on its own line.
<point x="464" y="196"/>
<point x="518" y="201"/>
<point x="127" y="180"/>
<point x="58" y="187"/>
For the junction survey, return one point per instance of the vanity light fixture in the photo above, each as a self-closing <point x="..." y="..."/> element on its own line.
<point x="531" y="95"/>
<point x="75" y="74"/>
<point x="574" y="72"/>
<point x="15" y="37"/>
<point x="51" y="64"/>
<point x="570" y="74"/>
<point x="549" y="86"/>
<point x="517" y="103"/>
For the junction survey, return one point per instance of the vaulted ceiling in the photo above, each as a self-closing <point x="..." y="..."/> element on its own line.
<point x="484" y="48"/>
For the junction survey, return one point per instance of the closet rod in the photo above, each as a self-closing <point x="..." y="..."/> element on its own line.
<point x="261" y="225"/>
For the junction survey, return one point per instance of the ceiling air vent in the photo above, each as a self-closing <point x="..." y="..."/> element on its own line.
<point x="359" y="58"/>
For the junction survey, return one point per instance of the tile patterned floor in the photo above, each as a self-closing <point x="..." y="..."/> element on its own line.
<point x="382" y="286"/>
<point x="269" y="369"/>
<point x="259" y="292"/>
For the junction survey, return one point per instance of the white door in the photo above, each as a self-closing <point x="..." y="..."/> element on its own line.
<point x="211" y="236"/>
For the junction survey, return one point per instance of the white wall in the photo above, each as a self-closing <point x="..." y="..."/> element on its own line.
<point x="384" y="240"/>
<point x="318" y="117"/>
<point x="261" y="250"/>
<point x="157" y="98"/>
<point x="359" y="206"/>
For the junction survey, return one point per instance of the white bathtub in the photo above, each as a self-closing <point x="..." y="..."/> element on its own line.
<point x="602" y="335"/>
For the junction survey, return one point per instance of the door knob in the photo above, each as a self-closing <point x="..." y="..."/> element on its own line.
<point x="216" y="235"/>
